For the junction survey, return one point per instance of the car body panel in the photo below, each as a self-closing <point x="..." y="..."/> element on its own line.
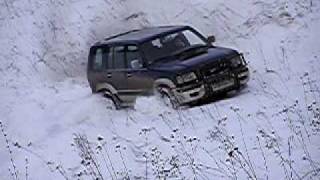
<point x="213" y="55"/>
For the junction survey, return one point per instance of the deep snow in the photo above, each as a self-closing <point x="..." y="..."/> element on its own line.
<point x="270" y="130"/>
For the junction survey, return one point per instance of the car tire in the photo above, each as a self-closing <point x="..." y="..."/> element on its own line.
<point x="116" y="101"/>
<point x="168" y="98"/>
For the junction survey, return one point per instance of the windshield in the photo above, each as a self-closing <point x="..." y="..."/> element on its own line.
<point x="168" y="45"/>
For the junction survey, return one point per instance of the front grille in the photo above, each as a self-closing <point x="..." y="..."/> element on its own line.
<point x="220" y="78"/>
<point x="189" y="87"/>
<point x="243" y="70"/>
<point x="215" y="70"/>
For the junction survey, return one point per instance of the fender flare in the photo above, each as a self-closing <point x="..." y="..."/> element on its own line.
<point x="106" y="86"/>
<point x="164" y="82"/>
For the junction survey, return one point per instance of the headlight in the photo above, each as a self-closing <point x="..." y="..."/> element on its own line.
<point x="186" y="78"/>
<point x="236" y="61"/>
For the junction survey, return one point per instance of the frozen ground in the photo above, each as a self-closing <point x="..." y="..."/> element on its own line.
<point x="268" y="131"/>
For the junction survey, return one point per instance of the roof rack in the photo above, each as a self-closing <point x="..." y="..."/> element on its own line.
<point x="121" y="34"/>
<point x="134" y="30"/>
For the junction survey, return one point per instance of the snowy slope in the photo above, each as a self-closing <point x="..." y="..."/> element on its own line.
<point x="268" y="131"/>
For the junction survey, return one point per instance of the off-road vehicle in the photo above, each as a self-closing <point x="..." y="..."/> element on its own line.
<point x="176" y="61"/>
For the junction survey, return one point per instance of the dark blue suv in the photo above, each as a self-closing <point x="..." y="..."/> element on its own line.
<point x="175" y="61"/>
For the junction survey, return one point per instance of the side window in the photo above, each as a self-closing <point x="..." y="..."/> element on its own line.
<point x="97" y="63"/>
<point x="118" y="57"/>
<point x="133" y="57"/>
<point x="109" y="60"/>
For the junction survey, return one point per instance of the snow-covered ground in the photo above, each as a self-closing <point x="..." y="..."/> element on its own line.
<point x="47" y="112"/>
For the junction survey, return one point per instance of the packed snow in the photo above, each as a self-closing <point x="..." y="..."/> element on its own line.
<point x="53" y="127"/>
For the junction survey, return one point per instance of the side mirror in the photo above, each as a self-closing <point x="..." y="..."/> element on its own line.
<point x="211" y="39"/>
<point x="136" y="64"/>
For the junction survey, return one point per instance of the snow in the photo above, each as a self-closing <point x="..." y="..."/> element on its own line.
<point x="269" y="130"/>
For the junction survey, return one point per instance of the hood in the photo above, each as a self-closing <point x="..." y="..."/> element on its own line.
<point x="211" y="56"/>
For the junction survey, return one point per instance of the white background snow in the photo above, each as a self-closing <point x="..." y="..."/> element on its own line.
<point x="268" y="131"/>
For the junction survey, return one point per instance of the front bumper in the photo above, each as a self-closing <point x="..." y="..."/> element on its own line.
<point x="212" y="86"/>
<point x="187" y="96"/>
<point x="244" y="77"/>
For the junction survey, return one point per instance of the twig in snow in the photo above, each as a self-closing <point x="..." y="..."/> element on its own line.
<point x="14" y="172"/>
<point x="264" y="158"/>
<point x="27" y="167"/>
<point x="88" y="157"/>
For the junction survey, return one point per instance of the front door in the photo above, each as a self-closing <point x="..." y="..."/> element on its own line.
<point x="139" y="82"/>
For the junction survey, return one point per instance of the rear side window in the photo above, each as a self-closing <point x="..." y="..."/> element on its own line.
<point x="110" y="59"/>
<point x="124" y="57"/>
<point x="100" y="59"/>
<point x="97" y="63"/>
<point x="119" y="57"/>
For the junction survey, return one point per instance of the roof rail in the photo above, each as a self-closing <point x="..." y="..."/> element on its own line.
<point x="121" y="34"/>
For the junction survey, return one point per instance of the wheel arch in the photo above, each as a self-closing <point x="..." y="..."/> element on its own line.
<point x="164" y="82"/>
<point x="106" y="87"/>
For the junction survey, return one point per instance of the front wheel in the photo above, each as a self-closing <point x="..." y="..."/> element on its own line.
<point x="168" y="98"/>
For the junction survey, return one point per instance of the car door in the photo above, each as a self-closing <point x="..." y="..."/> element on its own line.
<point x="138" y="78"/>
<point x="116" y="71"/>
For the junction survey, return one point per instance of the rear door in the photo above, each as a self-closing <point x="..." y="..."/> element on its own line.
<point x="115" y="73"/>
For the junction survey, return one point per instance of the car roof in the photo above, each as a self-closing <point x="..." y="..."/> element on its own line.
<point x="139" y="36"/>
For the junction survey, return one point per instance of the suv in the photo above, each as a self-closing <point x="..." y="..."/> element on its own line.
<point x="175" y="61"/>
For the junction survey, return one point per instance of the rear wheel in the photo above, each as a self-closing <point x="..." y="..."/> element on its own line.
<point x="116" y="101"/>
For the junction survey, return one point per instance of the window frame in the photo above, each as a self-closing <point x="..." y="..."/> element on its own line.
<point x="93" y="58"/>
<point x="112" y="49"/>
<point x="139" y="53"/>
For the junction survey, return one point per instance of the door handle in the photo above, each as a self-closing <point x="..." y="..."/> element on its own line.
<point x="109" y="75"/>
<point x="129" y="75"/>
